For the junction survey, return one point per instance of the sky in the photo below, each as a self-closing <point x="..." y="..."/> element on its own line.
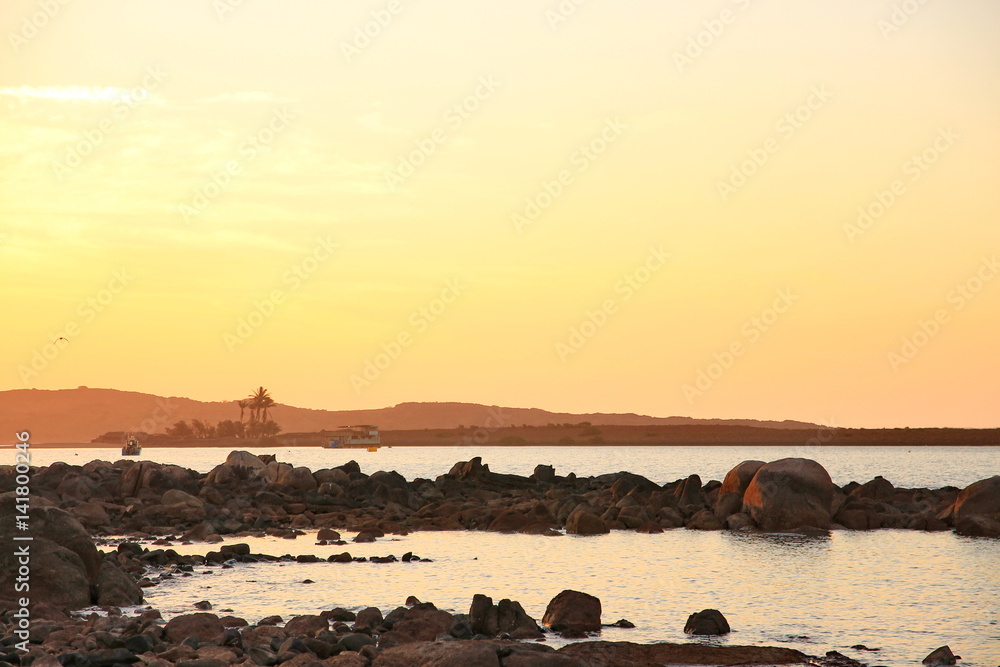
<point x="768" y="209"/>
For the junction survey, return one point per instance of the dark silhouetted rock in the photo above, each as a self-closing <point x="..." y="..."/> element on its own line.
<point x="941" y="656"/>
<point x="707" y="622"/>
<point x="627" y="654"/>
<point x="581" y="521"/>
<point x="203" y="626"/>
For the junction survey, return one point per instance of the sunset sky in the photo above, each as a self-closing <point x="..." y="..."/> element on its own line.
<point x="633" y="206"/>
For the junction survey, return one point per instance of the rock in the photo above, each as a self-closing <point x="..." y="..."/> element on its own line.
<point x="941" y="656"/>
<point x="356" y="641"/>
<point x="62" y="549"/>
<point x="202" y="625"/>
<point x="508" y="521"/>
<point x="346" y="660"/>
<point x="306" y="626"/>
<point x="740" y="521"/>
<point x="977" y="525"/>
<point x="878" y="489"/>
<point x="733" y="487"/>
<point x="627" y="654"/>
<point x="704" y="520"/>
<point x="368" y="618"/>
<point x="364" y="536"/>
<point x="483" y="616"/>
<point x="439" y="654"/>
<point x="512" y="619"/>
<point x="92" y="515"/>
<point x="115" y="587"/>
<point x="300" y="479"/>
<point x="423" y="622"/>
<point x="472" y="469"/>
<point x="573" y="611"/>
<point x="790" y="494"/>
<point x="581" y="521"/>
<point x="328" y="534"/>
<point x="689" y="492"/>
<point x="980" y="498"/>
<point x="707" y="622"/>
<point x="544" y="473"/>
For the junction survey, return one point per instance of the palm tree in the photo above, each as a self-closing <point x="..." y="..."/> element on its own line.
<point x="259" y="402"/>
<point x="243" y="406"/>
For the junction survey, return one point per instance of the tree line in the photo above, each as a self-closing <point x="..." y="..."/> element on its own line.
<point x="258" y="405"/>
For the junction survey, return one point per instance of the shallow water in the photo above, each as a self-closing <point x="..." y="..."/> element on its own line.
<point x="905" y="467"/>
<point x="905" y="592"/>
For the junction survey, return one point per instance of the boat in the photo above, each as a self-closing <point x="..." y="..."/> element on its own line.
<point x="364" y="435"/>
<point x="131" y="447"/>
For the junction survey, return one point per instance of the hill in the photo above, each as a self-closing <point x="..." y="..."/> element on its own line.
<point x="79" y="415"/>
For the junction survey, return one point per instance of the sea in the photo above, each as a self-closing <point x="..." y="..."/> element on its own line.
<point x="886" y="597"/>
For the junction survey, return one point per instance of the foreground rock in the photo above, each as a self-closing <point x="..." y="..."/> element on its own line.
<point x="573" y="612"/>
<point x="625" y="654"/>
<point x="70" y="570"/>
<point x="790" y="494"/>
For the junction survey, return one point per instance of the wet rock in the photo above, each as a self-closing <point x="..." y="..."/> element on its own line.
<point x="356" y="641"/>
<point x="328" y="534"/>
<point x="790" y="494"/>
<point x="115" y="587"/>
<point x="573" y="611"/>
<point x="202" y="625"/>
<point x="512" y="619"/>
<point x="707" y="622"/>
<point x="627" y="654"/>
<point x="878" y="489"/>
<point x="483" y="616"/>
<point x="424" y="622"/>
<point x="977" y="525"/>
<point x="979" y="499"/>
<point x="582" y="521"/>
<point x="364" y="536"/>
<point x="306" y="626"/>
<point x="368" y="618"/>
<point x="508" y="521"/>
<point x="941" y="656"/>
<point x="704" y="520"/>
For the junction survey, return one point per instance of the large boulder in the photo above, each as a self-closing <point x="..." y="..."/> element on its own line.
<point x="790" y="494"/>
<point x="150" y="480"/>
<point x="976" y="509"/>
<point x="573" y="611"/>
<point x="582" y="521"/>
<point x="439" y="654"/>
<point x="941" y="656"/>
<point x="65" y="564"/>
<point x="733" y="487"/>
<point x="483" y="616"/>
<point x="424" y="622"/>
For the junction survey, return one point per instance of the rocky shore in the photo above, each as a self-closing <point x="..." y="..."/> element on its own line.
<point x="255" y="496"/>
<point x="251" y="494"/>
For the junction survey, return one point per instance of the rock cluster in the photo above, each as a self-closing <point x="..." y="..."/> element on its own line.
<point x="260" y="495"/>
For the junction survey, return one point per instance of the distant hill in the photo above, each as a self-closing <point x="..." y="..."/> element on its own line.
<point x="82" y="414"/>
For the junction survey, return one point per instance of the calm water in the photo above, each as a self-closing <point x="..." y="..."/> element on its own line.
<point x="917" y="467"/>
<point x="902" y="591"/>
<point x="905" y="592"/>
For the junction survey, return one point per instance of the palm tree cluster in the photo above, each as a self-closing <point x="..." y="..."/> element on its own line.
<point x="259" y="403"/>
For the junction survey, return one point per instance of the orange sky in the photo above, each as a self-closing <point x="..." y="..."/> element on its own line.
<point x="735" y="209"/>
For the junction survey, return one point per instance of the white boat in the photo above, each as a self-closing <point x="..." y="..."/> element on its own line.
<point x="364" y="435"/>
